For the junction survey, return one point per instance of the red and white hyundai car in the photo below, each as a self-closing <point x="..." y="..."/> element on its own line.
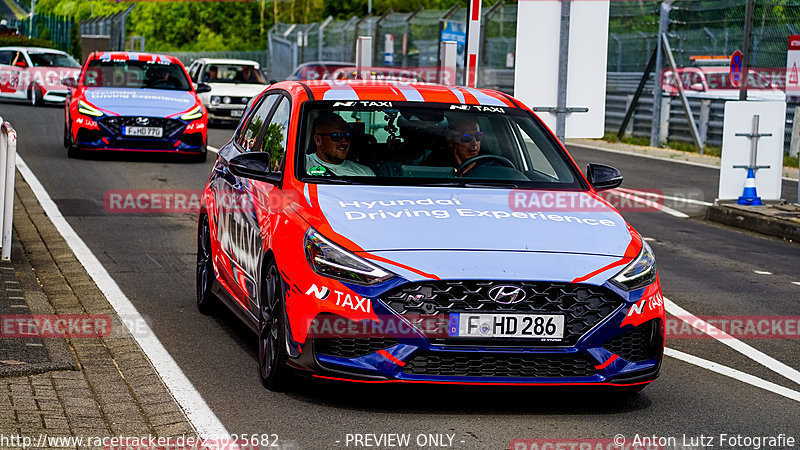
<point x="34" y="74"/>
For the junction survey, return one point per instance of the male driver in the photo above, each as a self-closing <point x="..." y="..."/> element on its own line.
<point x="212" y="74"/>
<point x="332" y="139"/>
<point x="463" y="138"/>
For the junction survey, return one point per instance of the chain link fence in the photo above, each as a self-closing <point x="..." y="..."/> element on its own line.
<point x="412" y="40"/>
<point x="56" y="29"/>
<point x="696" y="29"/>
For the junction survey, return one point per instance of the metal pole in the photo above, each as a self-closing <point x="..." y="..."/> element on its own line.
<point x="563" y="68"/>
<point x="746" y="47"/>
<point x="684" y="101"/>
<point x="321" y="36"/>
<point x="473" y="43"/>
<point x="30" y="28"/>
<point x="663" y="28"/>
<point x="637" y="94"/>
<point x="754" y="141"/>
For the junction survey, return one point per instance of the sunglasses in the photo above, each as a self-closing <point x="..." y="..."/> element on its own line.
<point x="337" y="136"/>
<point x="467" y="137"/>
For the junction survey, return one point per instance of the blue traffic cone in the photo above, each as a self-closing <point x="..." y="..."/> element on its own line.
<point x="750" y="196"/>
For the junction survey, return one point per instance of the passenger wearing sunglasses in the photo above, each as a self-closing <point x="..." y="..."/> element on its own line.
<point x="464" y="139"/>
<point x="332" y="140"/>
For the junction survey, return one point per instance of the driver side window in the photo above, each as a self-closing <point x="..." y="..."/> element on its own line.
<point x="248" y="134"/>
<point x="276" y="134"/>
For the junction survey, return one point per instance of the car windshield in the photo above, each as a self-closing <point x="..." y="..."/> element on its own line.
<point x="52" y="60"/>
<point x="232" y="73"/>
<point x="427" y="144"/>
<point x="136" y="74"/>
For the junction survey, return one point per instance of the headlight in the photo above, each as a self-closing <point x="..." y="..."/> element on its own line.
<point x="194" y="113"/>
<point x="226" y="100"/>
<point x="89" y="110"/>
<point x="215" y="100"/>
<point x="640" y="272"/>
<point x="330" y="260"/>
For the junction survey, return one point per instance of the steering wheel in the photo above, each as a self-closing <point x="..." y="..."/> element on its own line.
<point x="462" y="168"/>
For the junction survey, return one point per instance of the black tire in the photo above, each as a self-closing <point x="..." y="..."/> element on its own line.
<point x="200" y="157"/>
<point x="206" y="299"/>
<point x="73" y="151"/>
<point x="272" y="369"/>
<point x="36" y="96"/>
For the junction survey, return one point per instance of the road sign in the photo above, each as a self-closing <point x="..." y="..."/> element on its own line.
<point x="737" y="148"/>
<point x="736" y="68"/>
<point x="537" y="63"/>
<point x="793" y="67"/>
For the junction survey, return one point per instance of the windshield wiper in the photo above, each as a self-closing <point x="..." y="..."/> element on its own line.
<point x="505" y="184"/>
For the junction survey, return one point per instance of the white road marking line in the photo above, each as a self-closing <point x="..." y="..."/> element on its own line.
<point x="762" y="272"/>
<point x="651" y="204"/>
<point x="649" y="239"/>
<point x="212" y="149"/>
<point x="667" y="197"/>
<point x="796" y="282"/>
<point x="660" y="158"/>
<point x="733" y="373"/>
<point x="197" y="410"/>
<point x="737" y="345"/>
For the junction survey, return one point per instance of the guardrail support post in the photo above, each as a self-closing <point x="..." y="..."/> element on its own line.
<point x="8" y="152"/>
<point x="449" y="60"/>
<point x="363" y="52"/>
<point x="663" y="127"/>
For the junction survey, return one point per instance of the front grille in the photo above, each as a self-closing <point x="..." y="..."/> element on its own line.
<point x="499" y="365"/>
<point x="351" y="347"/>
<point x="636" y="344"/>
<point x="583" y="306"/>
<point x="114" y="124"/>
<point x="141" y="144"/>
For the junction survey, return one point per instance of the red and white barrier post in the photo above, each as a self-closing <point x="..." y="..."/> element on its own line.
<point x="473" y="42"/>
<point x="8" y="160"/>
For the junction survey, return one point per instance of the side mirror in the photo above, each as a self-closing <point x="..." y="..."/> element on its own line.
<point x="202" y="87"/>
<point x="69" y="82"/>
<point x="603" y="177"/>
<point x="255" y="166"/>
<point x="21" y="64"/>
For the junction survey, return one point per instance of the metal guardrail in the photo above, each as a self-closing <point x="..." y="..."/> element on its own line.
<point x="620" y="87"/>
<point x="8" y="160"/>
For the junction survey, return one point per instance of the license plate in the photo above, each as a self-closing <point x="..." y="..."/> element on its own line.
<point x="237" y="112"/>
<point x="537" y="326"/>
<point x="142" y="131"/>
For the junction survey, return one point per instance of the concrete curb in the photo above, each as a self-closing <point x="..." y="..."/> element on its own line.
<point x="758" y="219"/>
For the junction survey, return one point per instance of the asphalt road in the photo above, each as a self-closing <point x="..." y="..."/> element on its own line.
<point x="707" y="269"/>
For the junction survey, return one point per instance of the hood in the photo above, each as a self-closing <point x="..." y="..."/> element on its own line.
<point x="137" y="102"/>
<point x="236" y="89"/>
<point x="378" y="218"/>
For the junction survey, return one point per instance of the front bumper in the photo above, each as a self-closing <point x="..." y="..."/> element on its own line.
<point x="600" y="352"/>
<point x="55" y="96"/>
<point x="226" y="113"/>
<point x="178" y="136"/>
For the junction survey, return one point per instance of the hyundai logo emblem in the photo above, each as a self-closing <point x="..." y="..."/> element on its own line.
<point x="142" y="121"/>
<point x="506" y="294"/>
